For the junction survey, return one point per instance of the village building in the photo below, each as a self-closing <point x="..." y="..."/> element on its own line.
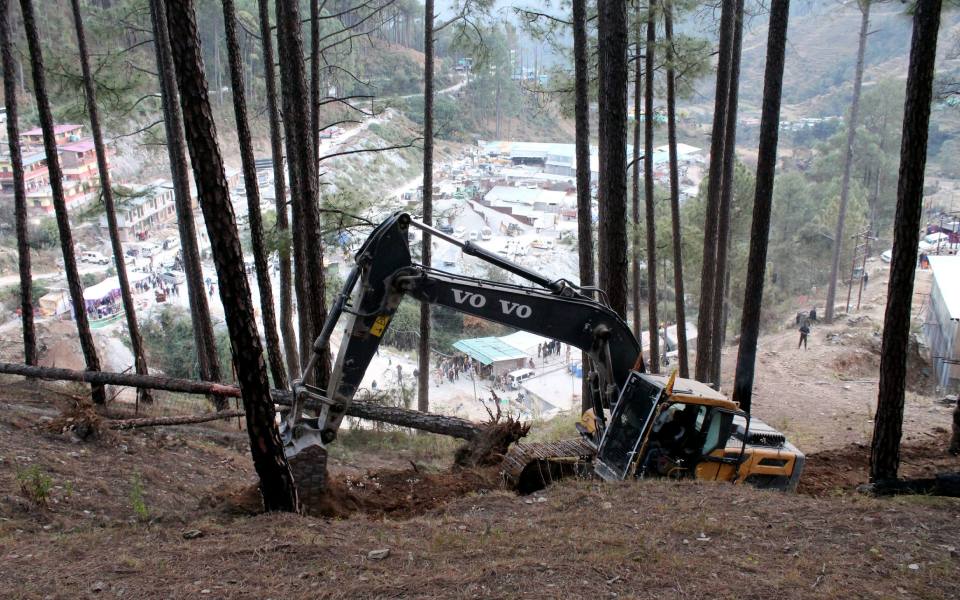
<point x="78" y="163"/>
<point x="143" y="209"/>
<point x="494" y="356"/>
<point x="63" y="134"/>
<point x="941" y="327"/>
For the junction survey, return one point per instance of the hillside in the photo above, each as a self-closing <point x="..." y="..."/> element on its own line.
<point x="140" y="515"/>
<point x="821" y="55"/>
<point x="153" y="513"/>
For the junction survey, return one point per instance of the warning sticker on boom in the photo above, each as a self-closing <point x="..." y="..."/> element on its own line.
<point x="380" y="325"/>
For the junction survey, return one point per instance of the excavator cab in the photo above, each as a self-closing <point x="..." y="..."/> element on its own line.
<point x="669" y="427"/>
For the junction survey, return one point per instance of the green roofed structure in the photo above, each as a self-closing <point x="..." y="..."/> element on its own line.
<point x="495" y="354"/>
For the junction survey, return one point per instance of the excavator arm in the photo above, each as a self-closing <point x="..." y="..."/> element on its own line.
<point x="385" y="273"/>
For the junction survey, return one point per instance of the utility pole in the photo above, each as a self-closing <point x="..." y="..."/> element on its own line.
<point x="863" y="269"/>
<point x="857" y="247"/>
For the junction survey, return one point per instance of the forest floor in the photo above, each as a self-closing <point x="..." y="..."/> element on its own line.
<point x="169" y="513"/>
<point x="174" y="512"/>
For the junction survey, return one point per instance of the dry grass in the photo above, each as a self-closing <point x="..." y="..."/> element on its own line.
<point x="653" y="539"/>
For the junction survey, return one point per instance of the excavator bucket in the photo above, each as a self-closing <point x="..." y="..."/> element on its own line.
<point x="309" y="468"/>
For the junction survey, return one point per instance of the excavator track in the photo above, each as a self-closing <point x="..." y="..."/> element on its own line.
<point x="531" y="467"/>
<point x="309" y="468"/>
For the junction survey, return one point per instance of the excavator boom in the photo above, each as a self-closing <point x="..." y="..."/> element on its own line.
<point x="385" y="273"/>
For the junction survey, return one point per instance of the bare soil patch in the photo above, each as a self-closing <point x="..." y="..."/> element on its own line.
<point x="840" y="470"/>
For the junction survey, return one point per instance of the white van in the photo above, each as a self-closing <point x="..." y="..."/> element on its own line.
<point x="94" y="257"/>
<point x="486" y="234"/>
<point x="474" y="236"/>
<point x="516" y="378"/>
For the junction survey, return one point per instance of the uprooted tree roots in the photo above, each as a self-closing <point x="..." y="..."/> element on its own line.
<point x="491" y="444"/>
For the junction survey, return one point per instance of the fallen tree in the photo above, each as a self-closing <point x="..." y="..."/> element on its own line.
<point x="433" y="423"/>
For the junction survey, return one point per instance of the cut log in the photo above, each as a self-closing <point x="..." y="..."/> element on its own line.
<point x="174" y="420"/>
<point x="433" y="423"/>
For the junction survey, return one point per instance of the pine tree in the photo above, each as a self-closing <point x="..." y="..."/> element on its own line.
<point x="280" y="197"/>
<point x="888" y="423"/>
<point x="612" y="128"/>
<point x="708" y="274"/>
<point x="59" y="201"/>
<point x="653" y="321"/>
<point x="248" y="164"/>
<point x="830" y="308"/>
<point x="762" y="203"/>
<point x="423" y="349"/>
<point x="106" y="192"/>
<point x="276" y="483"/>
<point x="207" y="359"/>
<point x="30" y="355"/>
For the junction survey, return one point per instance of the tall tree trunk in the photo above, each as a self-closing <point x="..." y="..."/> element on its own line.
<point x="675" y="195"/>
<point x="727" y="180"/>
<point x="653" y="321"/>
<point x="584" y="207"/>
<point x="762" y="203"/>
<point x="280" y="198"/>
<point x="888" y="424"/>
<point x="19" y="191"/>
<point x="315" y="78"/>
<point x="308" y="246"/>
<point x="59" y="202"/>
<point x="248" y="163"/>
<point x="847" y="161"/>
<point x="707" y="273"/>
<point x="276" y="482"/>
<point x="612" y="41"/>
<point x="106" y="190"/>
<point x="207" y="359"/>
<point x="423" y="348"/>
<point x="635" y="176"/>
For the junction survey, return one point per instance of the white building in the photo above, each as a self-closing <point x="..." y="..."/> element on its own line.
<point x="941" y="328"/>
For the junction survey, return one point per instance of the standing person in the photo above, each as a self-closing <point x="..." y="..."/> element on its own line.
<point x="866" y="278"/>
<point x="955" y="440"/>
<point x="539" y="350"/>
<point x="804" y="332"/>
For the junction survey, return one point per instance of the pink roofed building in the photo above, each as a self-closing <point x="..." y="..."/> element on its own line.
<point x="78" y="160"/>
<point x="64" y="134"/>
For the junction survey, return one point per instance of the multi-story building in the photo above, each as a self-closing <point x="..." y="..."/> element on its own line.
<point x="63" y="134"/>
<point x="143" y="210"/>
<point x="35" y="173"/>
<point x="78" y="162"/>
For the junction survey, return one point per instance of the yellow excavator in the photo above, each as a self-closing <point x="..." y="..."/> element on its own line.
<point x="640" y="425"/>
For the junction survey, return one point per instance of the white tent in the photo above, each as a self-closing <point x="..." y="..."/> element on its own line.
<point x="525" y="341"/>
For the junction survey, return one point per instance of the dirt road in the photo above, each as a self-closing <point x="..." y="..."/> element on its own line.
<point x="825" y="396"/>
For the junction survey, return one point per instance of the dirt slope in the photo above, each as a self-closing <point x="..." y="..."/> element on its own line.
<point x="825" y="396"/>
<point x="134" y="515"/>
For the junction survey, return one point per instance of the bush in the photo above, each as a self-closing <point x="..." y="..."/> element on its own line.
<point x="35" y="485"/>
<point x="45" y="235"/>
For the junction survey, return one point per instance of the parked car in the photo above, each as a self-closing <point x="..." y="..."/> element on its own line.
<point x="446" y="228"/>
<point x="887" y="255"/>
<point x="461" y="232"/>
<point x="542" y="244"/>
<point x="148" y="250"/>
<point x="474" y="236"/>
<point x="486" y="234"/>
<point x="173" y="277"/>
<point x="96" y="258"/>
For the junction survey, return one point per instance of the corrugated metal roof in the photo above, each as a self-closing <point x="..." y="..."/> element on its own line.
<point x="488" y="350"/>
